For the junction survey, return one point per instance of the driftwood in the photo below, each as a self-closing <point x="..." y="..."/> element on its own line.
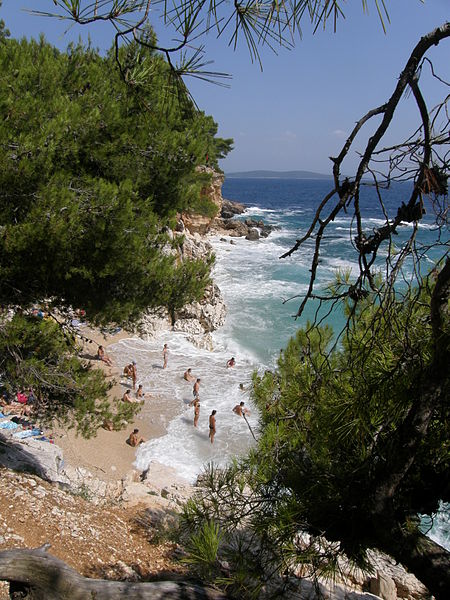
<point x="37" y="575"/>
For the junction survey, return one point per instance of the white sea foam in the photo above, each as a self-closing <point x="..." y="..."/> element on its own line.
<point x="340" y="263"/>
<point x="343" y="220"/>
<point x="438" y="529"/>
<point x="255" y="210"/>
<point x="184" y="447"/>
<point x="426" y="226"/>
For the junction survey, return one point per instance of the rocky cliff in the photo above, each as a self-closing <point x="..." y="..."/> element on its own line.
<point x="199" y="319"/>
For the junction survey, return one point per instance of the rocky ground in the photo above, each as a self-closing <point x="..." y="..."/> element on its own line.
<point x="115" y="541"/>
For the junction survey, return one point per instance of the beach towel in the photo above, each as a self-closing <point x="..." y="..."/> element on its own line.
<point x="27" y="433"/>
<point x="8" y="425"/>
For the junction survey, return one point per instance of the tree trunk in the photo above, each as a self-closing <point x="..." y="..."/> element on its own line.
<point x="36" y="575"/>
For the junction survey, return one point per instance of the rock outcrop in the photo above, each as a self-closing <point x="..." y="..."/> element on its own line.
<point x="204" y="316"/>
<point x="230" y="209"/>
<point x="213" y="192"/>
<point x="224" y="223"/>
<point x="199" y="319"/>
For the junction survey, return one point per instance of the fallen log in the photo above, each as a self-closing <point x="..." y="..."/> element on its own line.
<point x="36" y="575"/>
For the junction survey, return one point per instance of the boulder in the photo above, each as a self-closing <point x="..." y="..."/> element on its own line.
<point x="264" y="230"/>
<point x="154" y="322"/>
<point x="39" y="457"/>
<point x="195" y="246"/>
<point x="253" y="234"/>
<point x="230" y="209"/>
<point x="232" y="227"/>
<point x="383" y="586"/>
<point x="190" y="324"/>
<point x="209" y="313"/>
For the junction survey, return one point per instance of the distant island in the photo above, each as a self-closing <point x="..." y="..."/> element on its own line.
<point x="277" y="175"/>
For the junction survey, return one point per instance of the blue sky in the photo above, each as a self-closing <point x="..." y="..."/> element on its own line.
<point x="299" y="109"/>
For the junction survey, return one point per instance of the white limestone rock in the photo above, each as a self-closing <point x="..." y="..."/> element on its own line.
<point x="154" y="322"/>
<point x="210" y="312"/>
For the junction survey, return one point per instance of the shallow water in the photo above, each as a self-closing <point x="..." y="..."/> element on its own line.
<point x="185" y="447"/>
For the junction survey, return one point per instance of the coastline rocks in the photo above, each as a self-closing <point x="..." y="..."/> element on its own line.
<point x="250" y="229"/>
<point x="224" y="221"/>
<point x="231" y="227"/>
<point x="45" y="460"/>
<point x="195" y="247"/>
<point x="253" y="234"/>
<point x="200" y="318"/>
<point x="154" y="322"/>
<point x="213" y="192"/>
<point x="33" y="456"/>
<point x="196" y="223"/>
<point x="393" y="581"/>
<point x="263" y="229"/>
<point x="204" y="316"/>
<point x="195" y="319"/>
<point x="230" y="208"/>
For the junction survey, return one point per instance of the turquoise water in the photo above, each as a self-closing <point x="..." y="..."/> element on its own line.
<point x="255" y="281"/>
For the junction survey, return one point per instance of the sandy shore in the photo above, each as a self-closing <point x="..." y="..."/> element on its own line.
<point x="107" y="455"/>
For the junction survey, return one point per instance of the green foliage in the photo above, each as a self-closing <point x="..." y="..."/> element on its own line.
<point x="91" y="170"/>
<point x="330" y="420"/>
<point x="36" y="354"/>
<point x="202" y="548"/>
<point x="334" y="422"/>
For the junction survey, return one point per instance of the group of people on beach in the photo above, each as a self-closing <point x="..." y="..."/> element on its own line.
<point x="239" y="409"/>
<point x="130" y="371"/>
<point x="21" y="404"/>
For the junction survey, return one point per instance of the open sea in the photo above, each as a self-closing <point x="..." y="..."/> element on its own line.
<point x="262" y="294"/>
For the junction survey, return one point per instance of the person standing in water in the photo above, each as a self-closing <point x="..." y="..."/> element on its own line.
<point x="131" y="371"/>
<point x="241" y="410"/>
<point x="195" y="390"/>
<point x="212" y="426"/>
<point x="140" y="392"/>
<point x="165" y="355"/>
<point x="196" y="411"/>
